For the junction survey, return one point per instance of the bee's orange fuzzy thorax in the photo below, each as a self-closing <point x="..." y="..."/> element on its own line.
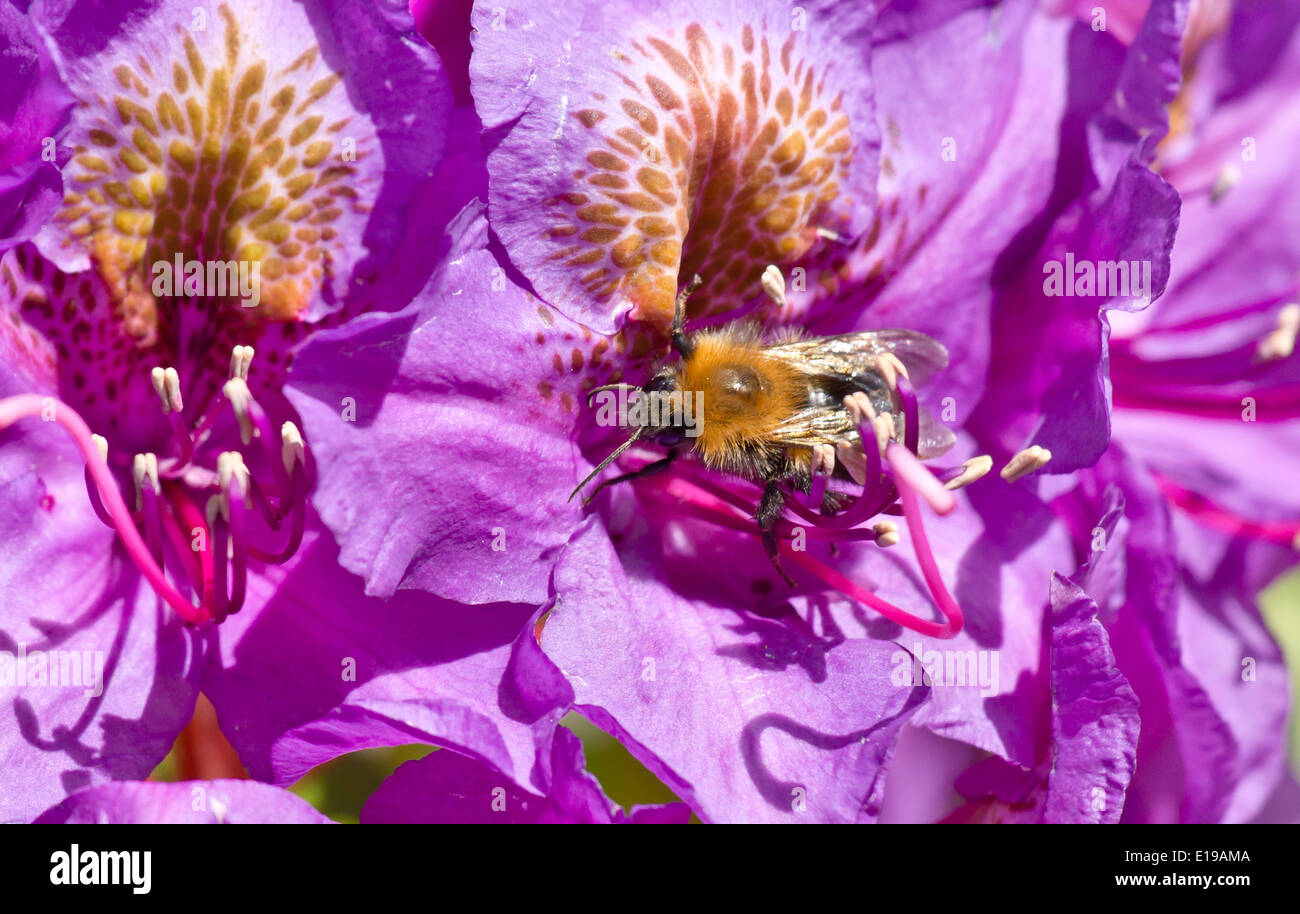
<point x="746" y="395"/>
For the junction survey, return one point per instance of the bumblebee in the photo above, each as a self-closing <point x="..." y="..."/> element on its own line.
<point x="776" y="413"/>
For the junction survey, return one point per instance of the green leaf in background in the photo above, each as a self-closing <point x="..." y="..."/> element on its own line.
<point x="1280" y="605"/>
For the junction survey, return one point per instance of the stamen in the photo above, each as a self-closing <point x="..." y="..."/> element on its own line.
<point x="774" y="285"/>
<point x="1229" y="176"/>
<point x="890" y="367"/>
<point x="241" y="357"/>
<point x="1284" y="533"/>
<point x="297" y="514"/>
<point x="28" y="405"/>
<point x="220" y="527"/>
<point x="909" y="472"/>
<point x="953" y="619"/>
<point x="241" y="398"/>
<point x="822" y="465"/>
<point x="236" y="502"/>
<point x="709" y="509"/>
<point x="855" y="458"/>
<point x="886" y="532"/>
<point x="1027" y="461"/>
<point x="144" y="470"/>
<point x="1280" y="342"/>
<point x="151" y="510"/>
<point x="832" y="235"/>
<point x="232" y="476"/>
<point x="877" y="492"/>
<point x="971" y="471"/>
<point x="911" y="413"/>
<point x="167" y="385"/>
<point x="92" y="490"/>
<point x="181" y="523"/>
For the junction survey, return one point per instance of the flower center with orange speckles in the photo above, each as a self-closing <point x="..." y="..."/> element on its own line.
<point x="716" y="159"/>
<point x="214" y="154"/>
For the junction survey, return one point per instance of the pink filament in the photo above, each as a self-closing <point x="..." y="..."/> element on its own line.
<point x="1212" y="515"/>
<point x="713" y="507"/>
<point x="28" y="405"/>
<point x="910" y="472"/>
<point x="297" y="520"/>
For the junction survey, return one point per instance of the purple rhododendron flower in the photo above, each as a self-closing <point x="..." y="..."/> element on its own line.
<point x="338" y="493"/>
<point x="751" y="701"/>
<point x="189" y="146"/>
<point x="1181" y="521"/>
<point x="1205" y="406"/>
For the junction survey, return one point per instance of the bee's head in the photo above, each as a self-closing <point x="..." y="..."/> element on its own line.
<point x="659" y="411"/>
<point x="663" y="420"/>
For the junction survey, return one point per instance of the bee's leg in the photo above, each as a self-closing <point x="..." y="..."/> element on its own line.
<point x="769" y="510"/>
<point x="648" y="470"/>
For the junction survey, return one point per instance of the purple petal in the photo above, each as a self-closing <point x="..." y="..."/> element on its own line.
<point x="448" y="788"/>
<point x="224" y="802"/>
<point x="453" y="472"/>
<point x="299" y="84"/>
<point x="634" y="143"/>
<point x="1094" y="715"/>
<point x="119" y="672"/>
<point x="1049" y="382"/>
<point x="35" y="108"/>
<point x="352" y="672"/>
<point x="966" y="164"/>
<point x="996" y="552"/>
<point x="746" y="718"/>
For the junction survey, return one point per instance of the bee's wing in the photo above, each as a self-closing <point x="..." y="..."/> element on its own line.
<point x="936" y="439"/>
<point x="832" y="425"/>
<point x="851" y="354"/>
<point x="813" y="426"/>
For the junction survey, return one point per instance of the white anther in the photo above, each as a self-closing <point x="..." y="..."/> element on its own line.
<point x="1279" y="343"/>
<point x="167" y="385"/>
<point x="292" y="448"/>
<point x="101" y="445"/>
<point x="1026" y="462"/>
<point x="886" y="533"/>
<point x="831" y="235"/>
<point x="972" y="470"/>
<point x="852" y="459"/>
<point x="144" y="469"/>
<point x="889" y="367"/>
<point x="231" y="466"/>
<point x="823" y="460"/>
<point x="1229" y="176"/>
<point x="885" y="430"/>
<point x="858" y="406"/>
<point x="241" y="399"/>
<point x="774" y="285"/>
<point x="240" y="358"/>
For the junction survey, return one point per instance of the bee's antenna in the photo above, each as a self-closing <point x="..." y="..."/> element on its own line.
<point x="680" y="343"/>
<point x="620" y="386"/>
<point x="608" y="460"/>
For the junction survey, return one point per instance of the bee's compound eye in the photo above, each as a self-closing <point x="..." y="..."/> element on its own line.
<point x="670" y="437"/>
<point x="660" y="383"/>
